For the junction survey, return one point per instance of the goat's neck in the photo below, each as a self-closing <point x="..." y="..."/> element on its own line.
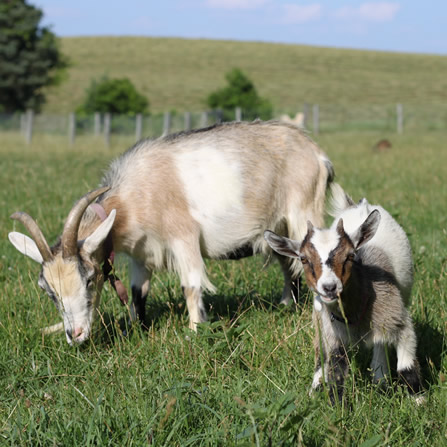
<point x="355" y="296"/>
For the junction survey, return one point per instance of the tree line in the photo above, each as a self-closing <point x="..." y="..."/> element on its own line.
<point x="30" y="59"/>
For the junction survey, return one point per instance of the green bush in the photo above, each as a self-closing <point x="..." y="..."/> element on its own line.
<point x="240" y="92"/>
<point x="29" y="57"/>
<point x="116" y="96"/>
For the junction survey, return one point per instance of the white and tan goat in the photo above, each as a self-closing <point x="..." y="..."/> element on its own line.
<point x="170" y="202"/>
<point x="361" y="272"/>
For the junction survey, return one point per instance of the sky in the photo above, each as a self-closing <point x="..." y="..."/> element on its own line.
<point x="405" y="26"/>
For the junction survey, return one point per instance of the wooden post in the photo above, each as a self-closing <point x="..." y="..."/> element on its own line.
<point x="316" y="118"/>
<point x="306" y="114"/>
<point x="138" y="126"/>
<point x="188" y="121"/>
<point x="29" y="125"/>
<point x="400" y="118"/>
<point x="238" y="114"/>
<point x="204" y="119"/>
<point x="107" y="128"/>
<point x="97" y="121"/>
<point x="166" y="123"/>
<point x="219" y="116"/>
<point x="71" y="128"/>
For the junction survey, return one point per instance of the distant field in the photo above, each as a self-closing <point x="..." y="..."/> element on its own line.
<point x="179" y="74"/>
<point x="244" y="379"/>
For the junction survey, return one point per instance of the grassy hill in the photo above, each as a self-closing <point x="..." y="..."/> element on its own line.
<point x="179" y="73"/>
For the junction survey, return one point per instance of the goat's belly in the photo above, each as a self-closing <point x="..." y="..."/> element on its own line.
<point x="233" y="240"/>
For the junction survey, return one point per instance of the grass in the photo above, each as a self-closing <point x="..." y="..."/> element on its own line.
<point x="244" y="379"/>
<point x="180" y="73"/>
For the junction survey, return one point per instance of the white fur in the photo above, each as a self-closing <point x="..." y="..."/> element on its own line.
<point x="25" y="245"/>
<point x="324" y="242"/>
<point x="93" y="241"/>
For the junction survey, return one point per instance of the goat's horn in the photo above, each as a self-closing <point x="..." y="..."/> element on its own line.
<point x="35" y="233"/>
<point x="70" y="233"/>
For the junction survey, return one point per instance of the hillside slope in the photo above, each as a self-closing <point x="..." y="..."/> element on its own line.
<point x="179" y="73"/>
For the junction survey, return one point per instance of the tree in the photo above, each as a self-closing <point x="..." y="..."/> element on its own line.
<point x="29" y="57"/>
<point x="240" y="92"/>
<point x="114" y="96"/>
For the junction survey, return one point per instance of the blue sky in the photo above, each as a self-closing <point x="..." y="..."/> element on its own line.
<point x="401" y="25"/>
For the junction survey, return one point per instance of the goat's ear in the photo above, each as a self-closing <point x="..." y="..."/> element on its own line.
<point x="25" y="245"/>
<point x="367" y="230"/>
<point x="93" y="241"/>
<point x="282" y="245"/>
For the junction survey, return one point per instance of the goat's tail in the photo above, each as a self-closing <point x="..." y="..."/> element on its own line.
<point x="338" y="200"/>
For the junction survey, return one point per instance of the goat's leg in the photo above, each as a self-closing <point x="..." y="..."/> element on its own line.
<point x="291" y="285"/>
<point x="407" y="363"/>
<point x="140" y="285"/>
<point x="338" y="368"/>
<point x="379" y="363"/>
<point x="319" y="356"/>
<point x="196" y="308"/>
<point x="190" y="266"/>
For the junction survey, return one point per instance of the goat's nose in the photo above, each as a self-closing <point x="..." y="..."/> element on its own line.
<point x="77" y="332"/>
<point x="330" y="288"/>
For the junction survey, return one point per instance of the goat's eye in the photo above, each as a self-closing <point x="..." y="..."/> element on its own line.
<point x="351" y="257"/>
<point x="89" y="283"/>
<point x="304" y="260"/>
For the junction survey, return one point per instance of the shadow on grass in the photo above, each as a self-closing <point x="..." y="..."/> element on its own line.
<point x="430" y="350"/>
<point x="219" y="306"/>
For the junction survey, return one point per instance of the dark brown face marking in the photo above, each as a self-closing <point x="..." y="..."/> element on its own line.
<point x="340" y="259"/>
<point x="310" y="259"/>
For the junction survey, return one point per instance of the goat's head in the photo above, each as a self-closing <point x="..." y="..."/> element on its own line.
<point x="71" y="273"/>
<point x="327" y="255"/>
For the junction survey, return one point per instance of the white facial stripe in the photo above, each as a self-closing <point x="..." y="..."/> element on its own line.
<point x="325" y="241"/>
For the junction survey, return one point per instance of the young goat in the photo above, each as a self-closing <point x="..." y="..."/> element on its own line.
<point x="171" y="202"/>
<point x="361" y="272"/>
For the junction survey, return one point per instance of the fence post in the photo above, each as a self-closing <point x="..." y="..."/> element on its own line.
<point x="204" y="119"/>
<point x="316" y="118"/>
<point x="188" y="121"/>
<point x="166" y="123"/>
<point x="97" y="121"/>
<point x="219" y="116"/>
<point x="306" y="114"/>
<point x="400" y="118"/>
<point x="238" y="114"/>
<point x="138" y="126"/>
<point x="107" y="128"/>
<point x="71" y="128"/>
<point x="29" y="125"/>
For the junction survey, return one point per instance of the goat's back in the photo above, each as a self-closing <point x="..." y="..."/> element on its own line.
<point x="234" y="180"/>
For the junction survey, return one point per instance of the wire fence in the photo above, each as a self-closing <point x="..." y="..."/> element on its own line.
<point x="315" y="118"/>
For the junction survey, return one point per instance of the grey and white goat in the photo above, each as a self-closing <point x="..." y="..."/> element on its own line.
<point x="170" y="202"/>
<point x="361" y="272"/>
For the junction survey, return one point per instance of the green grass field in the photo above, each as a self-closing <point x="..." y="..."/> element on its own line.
<point x="244" y="379"/>
<point x="180" y="73"/>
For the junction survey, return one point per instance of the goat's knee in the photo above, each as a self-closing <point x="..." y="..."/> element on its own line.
<point x="291" y="285"/>
<point x="140" y="286"/>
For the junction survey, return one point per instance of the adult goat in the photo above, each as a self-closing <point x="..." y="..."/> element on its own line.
<point x="172" y="201"/>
